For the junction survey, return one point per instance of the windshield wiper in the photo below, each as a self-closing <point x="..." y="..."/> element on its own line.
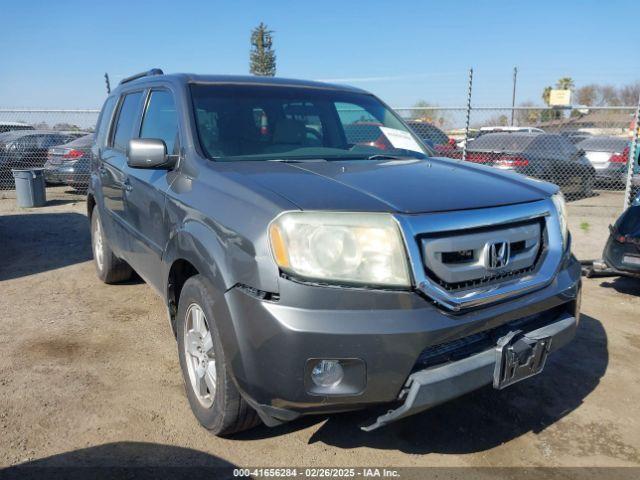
<point x="296" y="160"/>
<point x="385" y="156"/>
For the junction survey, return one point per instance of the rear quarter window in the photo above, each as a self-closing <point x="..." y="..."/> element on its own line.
<point x="104" y="122"/>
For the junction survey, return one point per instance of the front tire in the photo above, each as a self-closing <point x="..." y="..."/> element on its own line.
<point x="109" y="268"/>
<point x="213" y="396"/>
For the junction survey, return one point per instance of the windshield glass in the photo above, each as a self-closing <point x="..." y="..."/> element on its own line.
<point x="251" y="122"/>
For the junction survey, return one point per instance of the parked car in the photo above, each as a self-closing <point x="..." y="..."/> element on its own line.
<point x="609" y="157"/>
<point x="27" y="149"/>
<point x="544" y="156"/>
<point x="69" y="163"/>
<point x="432" y="136"/>
<point x="622" y="251"/>
<point x="509" y="129"/>
<point x="13" y="126"/>
<point x="304" y="273"/>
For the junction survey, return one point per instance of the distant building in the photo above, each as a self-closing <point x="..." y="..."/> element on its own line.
<point x="596" y="122"/>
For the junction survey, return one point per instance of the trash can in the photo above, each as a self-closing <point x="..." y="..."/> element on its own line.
<point x="30" y="191"/>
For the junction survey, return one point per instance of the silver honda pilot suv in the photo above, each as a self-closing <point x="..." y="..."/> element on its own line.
<point x="315" y="256"/>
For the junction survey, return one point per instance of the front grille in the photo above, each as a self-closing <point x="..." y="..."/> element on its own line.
<point x="485" y="281"/>
<point x="460" y="260"/>
<point x="481" y="341"/>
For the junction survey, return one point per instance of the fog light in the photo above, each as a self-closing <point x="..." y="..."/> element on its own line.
<point x="327" y="373"/>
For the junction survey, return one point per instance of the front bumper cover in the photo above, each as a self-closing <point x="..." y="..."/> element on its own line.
<point x="431" y="387"/>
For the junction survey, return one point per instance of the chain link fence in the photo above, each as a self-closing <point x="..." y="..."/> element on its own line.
<point x="57" y="140"/>
<point x="588" y="152"/>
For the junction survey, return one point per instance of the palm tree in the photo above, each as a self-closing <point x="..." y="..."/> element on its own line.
<point x="565" y="83"/>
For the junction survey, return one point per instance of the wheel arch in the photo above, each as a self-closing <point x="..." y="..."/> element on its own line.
<point x="191" y="252"/>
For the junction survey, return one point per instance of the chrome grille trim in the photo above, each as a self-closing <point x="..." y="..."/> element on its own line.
<point x="415" y="226"/>
<point x="477" y="271"/>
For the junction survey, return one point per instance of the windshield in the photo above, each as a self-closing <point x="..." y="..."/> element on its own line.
<point x="257" y="122"/>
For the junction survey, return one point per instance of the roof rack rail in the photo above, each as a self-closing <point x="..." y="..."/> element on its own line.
<point x="148" y="73"/>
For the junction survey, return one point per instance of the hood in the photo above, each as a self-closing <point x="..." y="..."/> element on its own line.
<point x="402" y="186"/>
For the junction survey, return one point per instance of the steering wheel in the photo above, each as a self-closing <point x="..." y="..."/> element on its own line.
<point x="313" y="132"/>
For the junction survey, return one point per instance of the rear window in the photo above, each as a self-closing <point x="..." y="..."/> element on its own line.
<point x="429" y="133"/>
<point x="604" y="144"/>
<point x="502" y="142"/>
<point x="84" y="141"/>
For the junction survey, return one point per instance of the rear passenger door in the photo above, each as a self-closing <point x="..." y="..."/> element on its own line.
<point x="111" y="168"/>
<point x="144" y="193"/>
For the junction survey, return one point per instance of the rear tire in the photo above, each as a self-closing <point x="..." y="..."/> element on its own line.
<point x="109" y="268"/>
<point x="213" y="396"/>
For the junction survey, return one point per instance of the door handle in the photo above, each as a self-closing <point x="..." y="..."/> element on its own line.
<point x="127" y="185"/>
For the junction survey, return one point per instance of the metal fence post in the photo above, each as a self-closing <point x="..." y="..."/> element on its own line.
<point x="632" y="157"/>
<point x="466" y="128"/>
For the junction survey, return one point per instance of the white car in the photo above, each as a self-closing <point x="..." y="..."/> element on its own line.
<point x="11" y="126"/>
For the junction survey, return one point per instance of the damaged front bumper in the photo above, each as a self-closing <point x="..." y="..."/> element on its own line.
<point x="516" y="356"/>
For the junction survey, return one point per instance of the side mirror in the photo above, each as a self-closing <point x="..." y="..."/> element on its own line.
<point x="148" y="153"/>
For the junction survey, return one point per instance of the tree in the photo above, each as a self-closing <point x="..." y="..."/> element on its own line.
<point x="430" y="113"/>
<point x="629" y="94"/>
<point x="529" y="116"/>
<point x="262" y="56"/>
<point x="608" y="95"/>
<point x="546" y="94"/>
<point x="587" y="95"/>
<point x="565" y="83"/>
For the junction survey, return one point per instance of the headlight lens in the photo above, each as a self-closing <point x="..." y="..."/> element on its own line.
<point x="352" y="248"/>
<point x="561" y="208"/>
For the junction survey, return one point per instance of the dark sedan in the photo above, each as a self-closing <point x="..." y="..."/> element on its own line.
<point x="70" y="163"/>
<point x="27" y="149"/>
<point x="622" y="251"/>
<point x="544" y="156"/>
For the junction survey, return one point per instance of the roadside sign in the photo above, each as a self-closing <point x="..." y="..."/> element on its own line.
<point x="560" y="98"/>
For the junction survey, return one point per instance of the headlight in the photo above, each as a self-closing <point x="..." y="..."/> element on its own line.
<point x="351" y="248"/>
<point x="561" y="208"/>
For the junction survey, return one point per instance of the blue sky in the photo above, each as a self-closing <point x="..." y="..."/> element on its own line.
<point x="54" y="54"/>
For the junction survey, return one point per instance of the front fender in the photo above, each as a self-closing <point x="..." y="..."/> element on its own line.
<point x="200" y="246"/>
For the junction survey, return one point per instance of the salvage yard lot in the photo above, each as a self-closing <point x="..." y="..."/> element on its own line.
<point x="87" y="368"/>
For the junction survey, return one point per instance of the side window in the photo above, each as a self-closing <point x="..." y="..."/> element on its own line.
<point x="126" y="120"/>
<point x="160" y="119"/>
<point x="104" y="121"/>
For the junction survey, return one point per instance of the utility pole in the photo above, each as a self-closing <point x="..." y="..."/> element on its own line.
<point x="513" y="95"/>
<point x="106" y="80"/>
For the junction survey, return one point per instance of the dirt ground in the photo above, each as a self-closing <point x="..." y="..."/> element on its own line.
<point x="89" y="373"/>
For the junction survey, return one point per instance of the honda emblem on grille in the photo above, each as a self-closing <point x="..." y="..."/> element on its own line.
<point x="498" y="254"/>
